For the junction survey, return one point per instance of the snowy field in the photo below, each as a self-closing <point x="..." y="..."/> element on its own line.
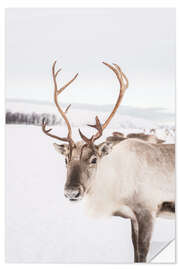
<point x="42" y="226"/>
<point x="138" y="119"/>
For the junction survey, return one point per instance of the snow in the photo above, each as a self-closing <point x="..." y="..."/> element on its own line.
<point x="125" y="117"/>
<point x="42" y="226"/>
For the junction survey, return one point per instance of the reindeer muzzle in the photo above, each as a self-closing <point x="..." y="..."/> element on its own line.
<point x="74" y="193"/>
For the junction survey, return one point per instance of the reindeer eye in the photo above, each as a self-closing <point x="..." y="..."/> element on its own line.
<point x="94" y="160"/>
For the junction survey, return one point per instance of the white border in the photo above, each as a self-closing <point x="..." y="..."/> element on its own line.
<point x="74" y="4"/>
<point x="90" y="3"/>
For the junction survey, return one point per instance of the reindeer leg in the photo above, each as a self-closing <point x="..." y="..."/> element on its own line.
<point x="134" y="234"/>
<point x="145" y="223"/>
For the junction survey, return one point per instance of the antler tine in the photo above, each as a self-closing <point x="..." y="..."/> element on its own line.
<point x="97" y="126"/>
<point x="44" y="124"/>
<point x="67" y="109"/>
<point x="123" y="87"/>
<point x="120" y="71"/>
<point x="67" y="84"/>
<point x="94" y="137"/>
<point x="56" y="73"/>
<point x="120" y="75"/>
<point x="84" y="138"/>
<point x="56" y="93"/>
<point x="59" y="91"/>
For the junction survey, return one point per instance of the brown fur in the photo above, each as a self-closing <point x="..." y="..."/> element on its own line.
<point x="145" y="137"/>
<point x="119" y="137"/>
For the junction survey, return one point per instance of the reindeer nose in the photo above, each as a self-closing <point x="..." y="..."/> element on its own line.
<point x="72" y="193"/>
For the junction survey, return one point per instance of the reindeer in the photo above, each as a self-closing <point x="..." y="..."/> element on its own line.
<point x="118" y="137"/>
<point x="132" y="179"/>
<point x="145" y="137"/>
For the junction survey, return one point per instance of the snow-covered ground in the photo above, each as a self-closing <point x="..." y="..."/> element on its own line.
<point x="42" y="226"/>
<point x="125" y="117"/>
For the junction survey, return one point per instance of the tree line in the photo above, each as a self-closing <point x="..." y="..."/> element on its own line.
<point x="31" y="118"/>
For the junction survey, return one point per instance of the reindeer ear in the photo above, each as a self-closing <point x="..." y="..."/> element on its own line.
<point x="104" y="148"/>
<point x="62" y="148"/>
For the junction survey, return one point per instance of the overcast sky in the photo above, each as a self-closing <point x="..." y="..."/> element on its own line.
<point x="141" y="41"/>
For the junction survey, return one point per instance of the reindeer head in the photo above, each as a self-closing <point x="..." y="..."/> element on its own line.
<point x="82" y="158"/>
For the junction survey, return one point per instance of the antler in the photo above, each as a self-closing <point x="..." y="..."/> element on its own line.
<point x="63" y="114"/>
<point x="123" y="86"/>
<point x="67" y="109"/>
<point x="94" y="137"/>
<point x="46" y="131"/>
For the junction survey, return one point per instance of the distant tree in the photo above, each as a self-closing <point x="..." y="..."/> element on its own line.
<point x="23" y="118"/>
<point x="54" y="119"/>
<point x="34" y="118"/>
<point x="17" y="117"/>
<point x="31" y="118"/>
<point x="13" y="118"/>
<point x="8" y="117"/>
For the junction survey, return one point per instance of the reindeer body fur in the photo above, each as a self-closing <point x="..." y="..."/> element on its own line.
<point x="124" y="178"/>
